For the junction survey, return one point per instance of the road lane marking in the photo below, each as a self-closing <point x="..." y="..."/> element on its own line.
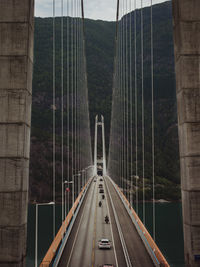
<point x="127" y="258"/>
<point x="111" y="229"/>
<point x="94" y="232"/>
<point x="76" y="237"/>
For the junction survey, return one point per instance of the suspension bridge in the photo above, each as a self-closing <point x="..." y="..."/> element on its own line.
<point x="91" y="186"/>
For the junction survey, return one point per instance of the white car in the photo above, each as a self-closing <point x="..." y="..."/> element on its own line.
<point x="105" y="243"/>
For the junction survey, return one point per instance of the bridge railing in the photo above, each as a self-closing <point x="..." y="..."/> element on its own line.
<point x="152" y="248"/>
<point x="58" y="242"/>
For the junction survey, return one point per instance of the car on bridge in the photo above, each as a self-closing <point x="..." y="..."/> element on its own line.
<point x="104" y="243"/>
<point x="101" y="190"/>
<point x="100" y="186"/>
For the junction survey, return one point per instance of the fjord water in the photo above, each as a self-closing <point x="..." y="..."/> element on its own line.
<point x="169" y="231"/>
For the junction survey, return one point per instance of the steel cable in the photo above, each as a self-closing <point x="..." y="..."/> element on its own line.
<point x="152" y="122"/>
<point x="54" y="125"/>
<point x="143" y="134"/>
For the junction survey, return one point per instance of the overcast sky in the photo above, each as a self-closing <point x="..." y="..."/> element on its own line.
<point x="94" y="9"/>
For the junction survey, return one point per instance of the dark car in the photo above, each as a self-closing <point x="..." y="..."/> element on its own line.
<point x="107" y="265"/>
<point x="101" y="190"/>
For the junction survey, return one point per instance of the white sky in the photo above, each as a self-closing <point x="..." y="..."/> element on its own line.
<point x="94" y="9"/>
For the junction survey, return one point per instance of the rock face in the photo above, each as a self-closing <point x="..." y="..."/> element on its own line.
<point x="187" y="55"/>
<point x="16" y="60"/>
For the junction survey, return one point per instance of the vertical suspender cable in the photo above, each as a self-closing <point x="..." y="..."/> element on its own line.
<point x="120" y="122"/>
<point x="122" y="92"/>
<point x="78" y="86"/>
<point x="122" y="103"/>
<point x="124" y="100"/>
<point x="142" y="82"/>
<point x="75" y="97"/>
<point x="113" y="149"/>
<point x="123" y="158"/>
<point x="127" y="105"/>
<point x="68" y="109"/>
<point x="153" y="146"/>
<point x="75" y="90"/>
<point x="62" y="105"/>
<point x="72" y="98"/>
<point x="82" y="76"/>
<point x="136" y="112"/>
<point x="131" y="101"/>
<point x="54" y="126"/>
<point x="118" y="90"/>
<point x="120" y="86"/>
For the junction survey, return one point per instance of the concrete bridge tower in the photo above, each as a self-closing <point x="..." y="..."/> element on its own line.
<point x="186" y="18"/>
<point x="16" y="60"/>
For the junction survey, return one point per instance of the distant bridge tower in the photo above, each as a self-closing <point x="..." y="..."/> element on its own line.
<point x="186" y="16"/>
<point x="16" y="61"/>
<point x="103" y="160"/>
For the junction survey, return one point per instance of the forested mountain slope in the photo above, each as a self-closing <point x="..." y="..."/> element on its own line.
<point x="100" y="50"/>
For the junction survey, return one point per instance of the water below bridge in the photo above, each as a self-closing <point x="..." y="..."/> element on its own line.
<point x="169" y="233"/>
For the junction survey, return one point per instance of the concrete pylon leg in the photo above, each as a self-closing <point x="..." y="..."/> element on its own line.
<point x="16" y="60"/>
<point x="95" y="146"/>
<point x="103" y="144"/>
<point x="186" y="16"/>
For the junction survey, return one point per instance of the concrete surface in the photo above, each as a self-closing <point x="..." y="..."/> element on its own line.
<point x="186" y="18"/>
<point x="16" y="60"/>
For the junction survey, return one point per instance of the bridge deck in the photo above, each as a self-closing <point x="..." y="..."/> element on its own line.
<point x="82" y="246"/>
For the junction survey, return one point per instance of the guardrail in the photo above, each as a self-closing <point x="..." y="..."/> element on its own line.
<point x="60" y="239"/>
<point x="152" y="248"/>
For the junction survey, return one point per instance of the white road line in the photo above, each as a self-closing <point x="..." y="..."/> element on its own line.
<point x="72" y="249"/>
<point x="127" y="258"/>
<point x="112" y="232"/>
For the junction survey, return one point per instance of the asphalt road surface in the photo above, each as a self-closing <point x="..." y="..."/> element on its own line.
<point x="82" y="249"/>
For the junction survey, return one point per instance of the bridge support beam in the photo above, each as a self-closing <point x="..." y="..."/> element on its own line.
<point x="16" y="60"/>
<point x="187" y="63"/>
